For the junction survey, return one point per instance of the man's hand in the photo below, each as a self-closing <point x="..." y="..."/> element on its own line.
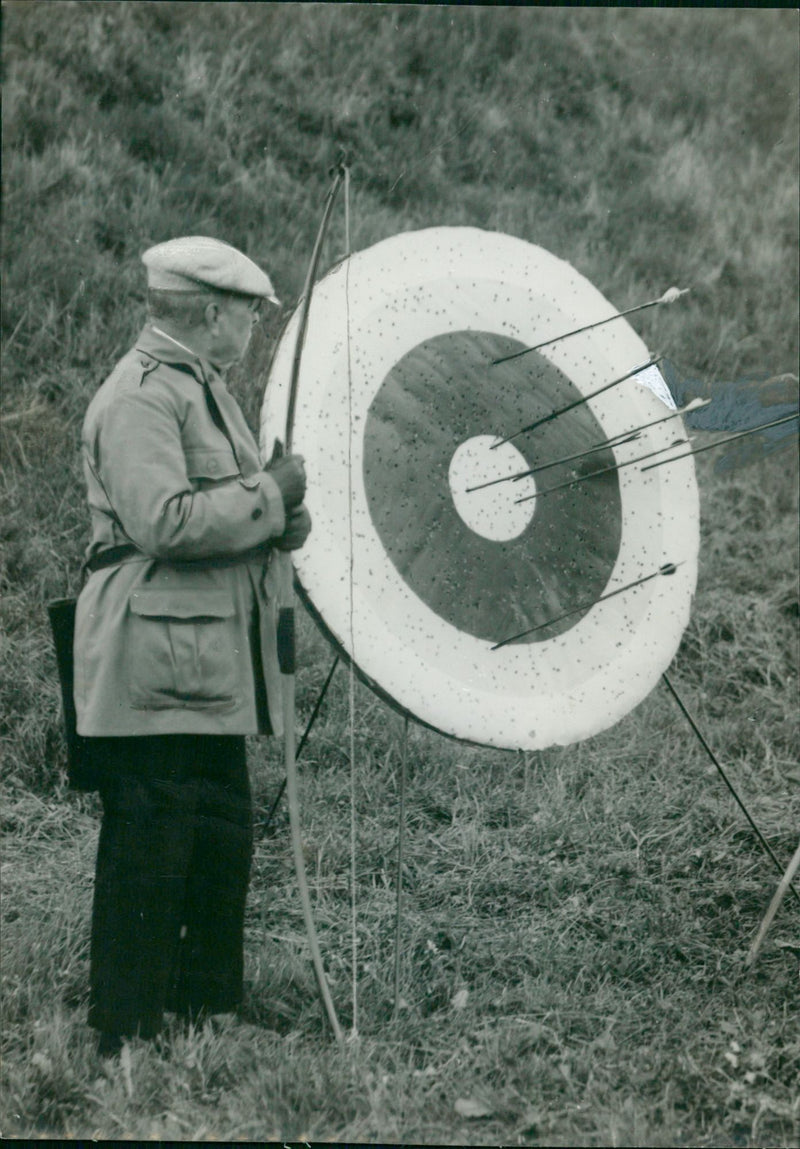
<point x="298" y="525"/>
<point x="290" y="474"/>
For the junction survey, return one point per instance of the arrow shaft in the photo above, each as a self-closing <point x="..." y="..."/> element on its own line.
<point x="577" y="402"/>
<point x="657" y="422"/>
<point x="581" y="454"/>
<point x="612" y="441"/>
<point x="577" y="331"/>
<point x="584" y="606"/>
<point x="602" y="471"/>
<point x="546" y="466"/>
<point x="722" y="442"/>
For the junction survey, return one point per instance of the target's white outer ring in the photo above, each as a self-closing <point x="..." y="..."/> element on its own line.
<point x="364" y="316"/>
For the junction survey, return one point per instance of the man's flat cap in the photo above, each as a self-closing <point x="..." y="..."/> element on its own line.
<point x="194" y="261"/>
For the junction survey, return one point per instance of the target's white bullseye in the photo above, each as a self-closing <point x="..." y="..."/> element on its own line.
<point x="492" y="511"/>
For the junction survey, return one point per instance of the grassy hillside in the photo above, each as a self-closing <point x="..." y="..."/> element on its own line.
<point x="576" y="921"/>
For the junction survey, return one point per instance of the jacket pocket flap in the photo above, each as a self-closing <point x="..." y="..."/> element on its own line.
<point x="210" y="463"/>
<point x="158" y="603"/>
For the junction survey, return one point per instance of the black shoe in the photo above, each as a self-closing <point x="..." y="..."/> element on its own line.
<point x="109" y="1045"/>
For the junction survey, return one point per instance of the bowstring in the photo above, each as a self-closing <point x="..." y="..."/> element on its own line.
<point x="351" y="585"/>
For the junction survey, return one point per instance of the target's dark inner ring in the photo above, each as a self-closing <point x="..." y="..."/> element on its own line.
<point x="443" y="392"/>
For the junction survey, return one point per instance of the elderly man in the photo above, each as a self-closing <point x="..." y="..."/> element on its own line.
<point x="175" y="645"/>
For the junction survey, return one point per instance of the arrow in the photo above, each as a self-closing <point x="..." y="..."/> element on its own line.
<point x="578" y="402"/>
<point x="602" y="471"/>
<point x="666" y="569"/>
<point x="669" y="296"/>
<point x="612" y="441"/>
<point x="546" y="466"/>
<point x="721" y="442"/>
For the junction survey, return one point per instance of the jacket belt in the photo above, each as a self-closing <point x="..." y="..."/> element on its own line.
<point x="120" y="554"/>
<point x="110" y="556"/>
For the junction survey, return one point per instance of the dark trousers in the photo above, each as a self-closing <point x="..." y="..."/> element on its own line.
<point x="173" y="865"/>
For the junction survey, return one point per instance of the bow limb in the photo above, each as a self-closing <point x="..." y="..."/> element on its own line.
<point x="286" y="642"/>
<point x="307" y="290"/>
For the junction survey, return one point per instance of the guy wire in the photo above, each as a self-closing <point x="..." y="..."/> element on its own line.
<point x="401" y="825"/>
<point x="351" y="584"/>
<point x="765" y="844"/>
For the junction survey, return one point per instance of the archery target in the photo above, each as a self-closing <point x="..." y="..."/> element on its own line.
<point x="421" y="565"/>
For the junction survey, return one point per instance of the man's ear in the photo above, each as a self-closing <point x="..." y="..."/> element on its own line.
<point x="211" y="315"/>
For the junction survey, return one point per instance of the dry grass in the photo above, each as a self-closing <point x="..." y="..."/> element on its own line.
<point x="576" y="922"/>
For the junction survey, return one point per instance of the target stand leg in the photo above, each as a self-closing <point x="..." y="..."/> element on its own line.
<point x="704" y="743"/>
<point x="401" y="821"/>
<point x="317" y="705"/>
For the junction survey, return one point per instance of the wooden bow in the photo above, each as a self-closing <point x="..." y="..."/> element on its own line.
<point x="286" y="636"/>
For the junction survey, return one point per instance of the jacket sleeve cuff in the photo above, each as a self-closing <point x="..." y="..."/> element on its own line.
<point x="271" y="500"/>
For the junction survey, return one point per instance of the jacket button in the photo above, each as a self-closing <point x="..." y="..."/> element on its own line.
<point x="257" y="513"/>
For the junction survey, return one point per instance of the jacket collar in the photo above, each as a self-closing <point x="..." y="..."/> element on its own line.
<point x="165" y="348"/>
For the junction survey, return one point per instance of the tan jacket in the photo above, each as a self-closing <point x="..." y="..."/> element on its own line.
<point x="167" y="642"/>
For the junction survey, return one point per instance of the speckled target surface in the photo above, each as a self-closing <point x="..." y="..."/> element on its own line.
<point x="422" y="580"/>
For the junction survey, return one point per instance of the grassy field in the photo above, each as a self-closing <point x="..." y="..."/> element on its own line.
<point x="576" y="921"/>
